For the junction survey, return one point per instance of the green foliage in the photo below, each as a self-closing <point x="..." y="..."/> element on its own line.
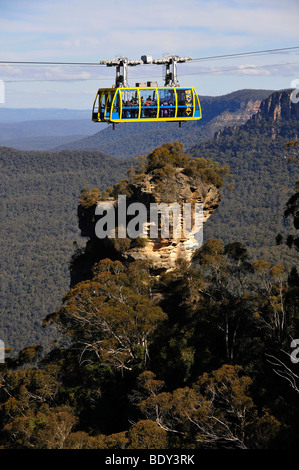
<point x="167" y="154"/>
<point x="121" y="244"/>
<point x="164" y="159"/>
<point x="215" y="410"/>
<point x="122" y="188"/>
<point x="39" y="198"/>
<point x="108" y="320"/>
<point x="138" y="242"/>
<point x="253" y="210"/>
<point x="209" y="384"/>
<point x="207" y="171"/>
<point x="292" y="211"/>
<point x="89" y="198"/>
<point x="147" y="434"/>
<point x="166" y="163"/>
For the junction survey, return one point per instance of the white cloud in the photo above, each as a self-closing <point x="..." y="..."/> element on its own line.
<point x="249" y="69"/>
<point x="90" y="29"/>
<point x="72" y="30"/>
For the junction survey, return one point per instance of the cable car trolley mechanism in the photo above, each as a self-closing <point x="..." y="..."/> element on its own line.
<point x="146" y="101"/>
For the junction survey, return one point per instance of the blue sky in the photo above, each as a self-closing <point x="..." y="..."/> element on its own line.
<point x="91" y="30"/>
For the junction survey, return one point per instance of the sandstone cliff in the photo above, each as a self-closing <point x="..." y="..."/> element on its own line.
<point x="182" y="182"/>
<point x="236" y="117"/>
<point x="163" y="253"/>
<point x="276" y="115"/>
<point x="279" y="106"/>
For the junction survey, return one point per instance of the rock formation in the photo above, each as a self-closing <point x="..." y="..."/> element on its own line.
<point x="279" y="106"/>
<point x="163" y="253"/>
<point x="196" y="182"/>
<point x="276" y="116"/>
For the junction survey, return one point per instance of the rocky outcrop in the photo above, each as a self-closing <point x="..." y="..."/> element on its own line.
<point x="279" y="106"/>
<point x="245" y="112"/>
<point x="276" y="116"/>
<point x="161" y="253"/>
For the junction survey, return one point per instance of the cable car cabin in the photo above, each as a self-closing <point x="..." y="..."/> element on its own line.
<point x="141" y="104"/>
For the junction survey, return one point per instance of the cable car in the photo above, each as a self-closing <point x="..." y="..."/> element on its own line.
<point x="141" y="104"/>
<point x="146" y="102"/>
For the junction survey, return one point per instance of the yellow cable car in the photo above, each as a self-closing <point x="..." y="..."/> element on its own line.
<point x="146" y="102"/>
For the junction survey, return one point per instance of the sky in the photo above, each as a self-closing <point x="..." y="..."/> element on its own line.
<point x="93" y="30"/>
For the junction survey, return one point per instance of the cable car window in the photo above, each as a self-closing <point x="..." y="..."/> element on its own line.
<point x="109" y="97"/>
<point x="197" y="112"/>
<point x="96" y="108"/>
<point x="130" y="105"/>
<point x="102" y="101"/>
<point x="148" y="102"/>
<point x="185" y="102"/>
<point x="167" y="103"/>
<point x="115" y="111"/>
<point x="196" y="102"/>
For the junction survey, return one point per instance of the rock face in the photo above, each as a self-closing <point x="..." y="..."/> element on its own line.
<point x="276" y="116"/>
<point x="164" y="252"/>
<point x="229" y="118"/>
<point x="161" y="252"/>
<point x="279" y="106"/>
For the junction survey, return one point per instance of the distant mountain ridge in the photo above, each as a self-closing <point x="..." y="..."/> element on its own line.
<point x="129" y="140"/>
<point x="38" y="129"/>
<point x="39" y="142"/>
<point x="14" y="115"/>
<point x="46" y="129"/>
